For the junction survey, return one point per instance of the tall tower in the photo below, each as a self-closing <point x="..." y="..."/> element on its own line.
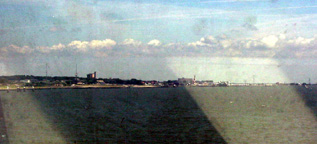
<point x="76" y="74"/>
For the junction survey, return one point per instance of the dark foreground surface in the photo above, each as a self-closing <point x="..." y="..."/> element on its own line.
<point x="161" y="115"/>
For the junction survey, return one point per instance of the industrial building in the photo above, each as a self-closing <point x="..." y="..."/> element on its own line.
<point x="92" y="76"/>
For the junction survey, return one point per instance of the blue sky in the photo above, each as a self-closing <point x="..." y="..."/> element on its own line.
<point x="35" y="32"/>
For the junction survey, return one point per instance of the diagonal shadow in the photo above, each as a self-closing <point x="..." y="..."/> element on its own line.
<point x="307" y="92"/>
<point x="159" y="115"/>
<point x="309" y="95"/>
<point x="127" y="115"/>
<point x="141" y="115"/>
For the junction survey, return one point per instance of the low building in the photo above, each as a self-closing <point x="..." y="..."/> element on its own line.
<point x="80" y="83"/>
<point x="101" y="82"/>
<point x="223" y="83"/>
<point x="153" y="82"/>
<point x="205" y="83"/>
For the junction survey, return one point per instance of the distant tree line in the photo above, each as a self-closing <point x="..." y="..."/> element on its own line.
<point x="67" y="80"/>
<point x="120" y="81"/>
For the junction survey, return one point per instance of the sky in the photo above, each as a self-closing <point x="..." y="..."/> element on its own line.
<point x="231" y="40"/>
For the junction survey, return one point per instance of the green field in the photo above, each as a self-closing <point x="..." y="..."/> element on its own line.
<point x="281" y="114"/>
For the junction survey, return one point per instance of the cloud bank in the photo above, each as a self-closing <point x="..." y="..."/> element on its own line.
<point x="270" y="46"/>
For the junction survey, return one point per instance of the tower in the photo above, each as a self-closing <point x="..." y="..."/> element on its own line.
<point x="76" y="74"/>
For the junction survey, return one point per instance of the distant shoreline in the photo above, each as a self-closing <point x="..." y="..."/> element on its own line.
<point x="79" y="87"/>
<point x="114" y="87"/>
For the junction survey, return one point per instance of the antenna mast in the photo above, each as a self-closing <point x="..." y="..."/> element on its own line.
<point x="76" y="74"/>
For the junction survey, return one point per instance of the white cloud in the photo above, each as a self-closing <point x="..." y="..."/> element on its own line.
<point x="17" y="49"/>
<point x="131" y="42"/>
<point x="277" y="45"/>
<point x="46" y="49"/>
<point x="252" y="44"/>
<point x="58" y="47"/>
<point x="204" y="42"/>
<point x="154" y="42"/>
<point x="282" y="36"/>
<point x="208" y="40"/>
<point x="301" y="41"/>
<point x="94" y="44"/>
<point x="98" y="44"/>
<point x="270" y="41"/>
<point x="24" y="50"/>
<point x="274" y="45"/>
<point x="80" y="45"/>
<point x="43" y="49"/>
<point x="198" y="43"/>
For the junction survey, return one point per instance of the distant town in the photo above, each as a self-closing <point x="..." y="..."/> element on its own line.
<point x="91" y="81"/>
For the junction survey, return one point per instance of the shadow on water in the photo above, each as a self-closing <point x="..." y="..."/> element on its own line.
<point x="305" y="69"/>
<point x="3" y="129"/>
<point x="309" y="95"/>
<point x="133" y="115"/>
<point x="127" y="115"/>
<point x="159" y="115"/>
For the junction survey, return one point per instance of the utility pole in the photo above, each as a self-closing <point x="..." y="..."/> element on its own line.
<point x="253" y="79"/>
<point x="309" y="81"/>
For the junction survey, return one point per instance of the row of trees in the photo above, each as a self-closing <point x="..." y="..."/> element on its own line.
<point x="42" y="80"/>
